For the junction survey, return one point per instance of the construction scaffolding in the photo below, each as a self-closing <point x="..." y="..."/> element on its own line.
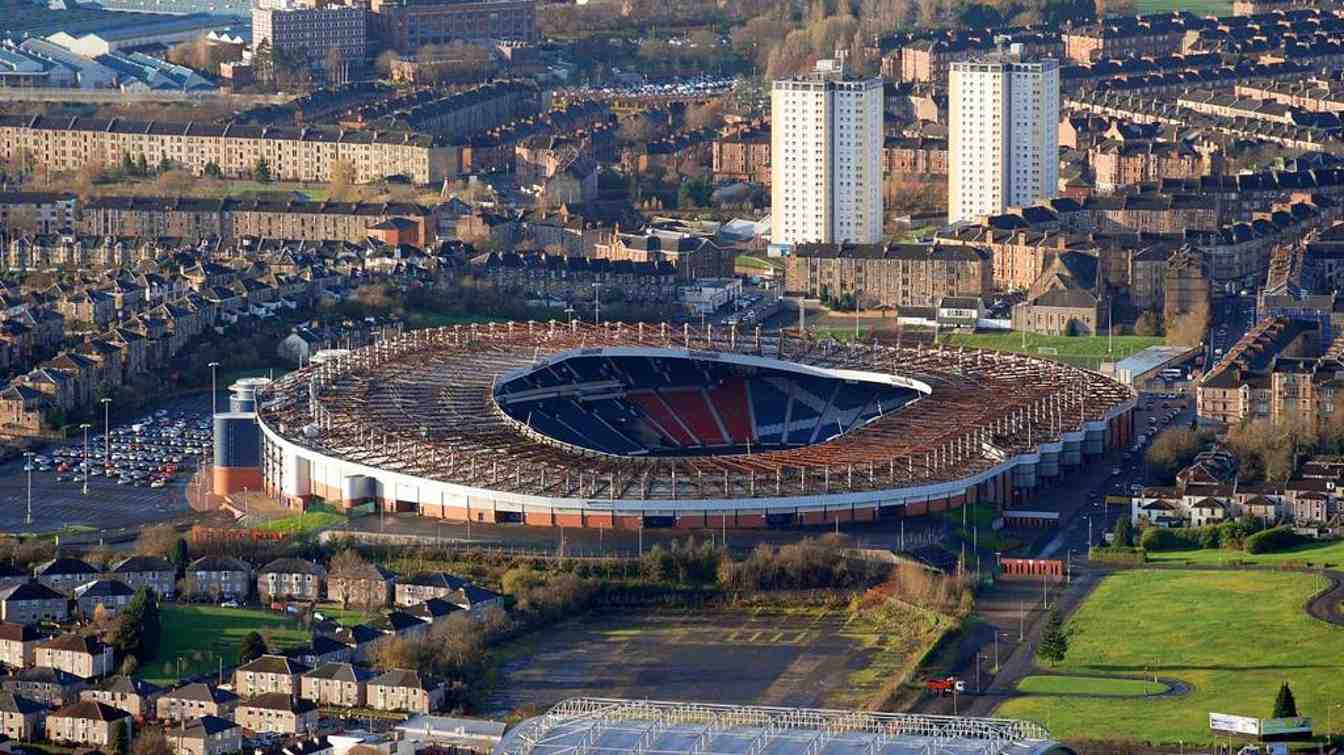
<point x="588" y="726"/>
<point x="422" y="403"/>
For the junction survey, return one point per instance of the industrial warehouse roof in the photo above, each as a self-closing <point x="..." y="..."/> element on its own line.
<point x="616" y="726"/>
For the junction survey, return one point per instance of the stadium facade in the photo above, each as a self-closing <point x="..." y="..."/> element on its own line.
<point x="655" y="425"/>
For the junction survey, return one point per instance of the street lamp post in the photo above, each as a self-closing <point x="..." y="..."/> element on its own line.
<point x="85" y="427"/>
<point x="214" y="389"/>
<point x="107" y="431"/>
<point x="29" y="467"/>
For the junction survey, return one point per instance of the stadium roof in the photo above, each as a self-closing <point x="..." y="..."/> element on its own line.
<point x="1130" y="368"/>
<point x="597" y="725"/>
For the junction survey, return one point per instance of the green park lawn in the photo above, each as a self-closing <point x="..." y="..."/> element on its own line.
<point x="346" y="616"/>
<point x="1233" y="637"/>
<point x="201" y="635"/>
<point x="1079" y="346"/>
<point x="1198" y="7"/>
<point x="1327" y="554"/>
<point x="307" y="521"/>
<point x="1084" y="685"/>
<point x="758" y="263"/>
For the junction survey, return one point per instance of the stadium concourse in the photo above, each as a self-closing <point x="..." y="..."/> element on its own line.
<point x="616" y="727"/>
<point x="654" y="425"/>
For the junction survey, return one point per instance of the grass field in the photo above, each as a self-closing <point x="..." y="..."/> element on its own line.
<point x="1233" y="637"/>
<point x="202" y="635"/>
<point x="1081" y="351"/>
<point x="1081" y="346"/>
<point x="1198" y="7"/>
<point x="1084" y="685"/>
<point x="759" y="263"/>
<point x="803" y="657"/>
<point x="308" y="521"/>
<point x="1328" y="554"/>
<point x="346" y="616"/>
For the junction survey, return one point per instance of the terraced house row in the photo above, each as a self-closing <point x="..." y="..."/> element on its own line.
<point x="292" y="154"/>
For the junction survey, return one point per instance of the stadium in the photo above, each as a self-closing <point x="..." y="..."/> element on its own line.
<point x="625" y="727"/>
<point x="655" y="425"/>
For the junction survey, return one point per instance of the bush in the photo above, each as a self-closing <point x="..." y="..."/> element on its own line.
<point x="807" y="564"/>
<point x="1117" y="556"/>
<point x="1273" y="540"/>
<point x="1171" y="539"/>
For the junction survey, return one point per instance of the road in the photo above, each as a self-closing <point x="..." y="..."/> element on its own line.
<point x="1014" y="609"/>
<point x="1232" y="317"/>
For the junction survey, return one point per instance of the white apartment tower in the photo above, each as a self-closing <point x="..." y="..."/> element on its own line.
<point x="1003" y="134"/>
<point x="825" y="159"/>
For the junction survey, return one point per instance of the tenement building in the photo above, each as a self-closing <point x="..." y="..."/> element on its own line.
<point x="1003" y="138"/>
<point x="894" y="275"/>
<point x="152" y="217"/>
<point x="826" y="149"/>
<point x="1279" y="371"/>
<point x="238" y="151"/>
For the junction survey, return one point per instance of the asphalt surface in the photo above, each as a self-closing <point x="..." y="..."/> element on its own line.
<point x="109" y="507"/>
<point x="1232" y="317"/>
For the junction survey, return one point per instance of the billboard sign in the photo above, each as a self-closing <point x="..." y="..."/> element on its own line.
<point x="1272" y="727"/>
<point x="1234" y="724"/>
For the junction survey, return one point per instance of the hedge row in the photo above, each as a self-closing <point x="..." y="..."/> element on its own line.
<point x="1117" y="555"/>
<point x="1273" y="540"/>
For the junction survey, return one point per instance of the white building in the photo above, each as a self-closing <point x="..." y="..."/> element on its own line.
<point x="1003" y="134"/>
<point x="826" y="159"/>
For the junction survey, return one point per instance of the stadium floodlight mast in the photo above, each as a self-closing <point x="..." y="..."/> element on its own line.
<point x="107" y="430"/>
<point x="214" y="390"/>
<point x="85" y="427"/>
<point x="29" y="467"/>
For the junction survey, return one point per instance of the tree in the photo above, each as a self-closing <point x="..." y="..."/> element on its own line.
<point x="343" y="177"/>
<point x="251" y="648"/>
<point x="383" y="63"/>
<point x="261" y="170"/>
<point x="1124" y="532"/>
<point x="212" y="170"/>
<point x="1054" y="641"/>
<point x="1148" y="324"/>
<point x="334" y="64"/>
<point x="137" y="630"/>
<point x="694" y="192"/>
<point x="151" y="742"/>
<point x="708" y="115"/>
<point x="87" y="178"/>
<point x="121" y="737"/>
<point x="1284" y="704"/>
<point x="180" y="555"/>
<point x="1189" y="328"/>
<point x="158" y="540"/>
<point x="1172" y="451"/>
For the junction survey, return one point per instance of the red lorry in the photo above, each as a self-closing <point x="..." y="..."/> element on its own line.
<point x="946" y="686"/>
